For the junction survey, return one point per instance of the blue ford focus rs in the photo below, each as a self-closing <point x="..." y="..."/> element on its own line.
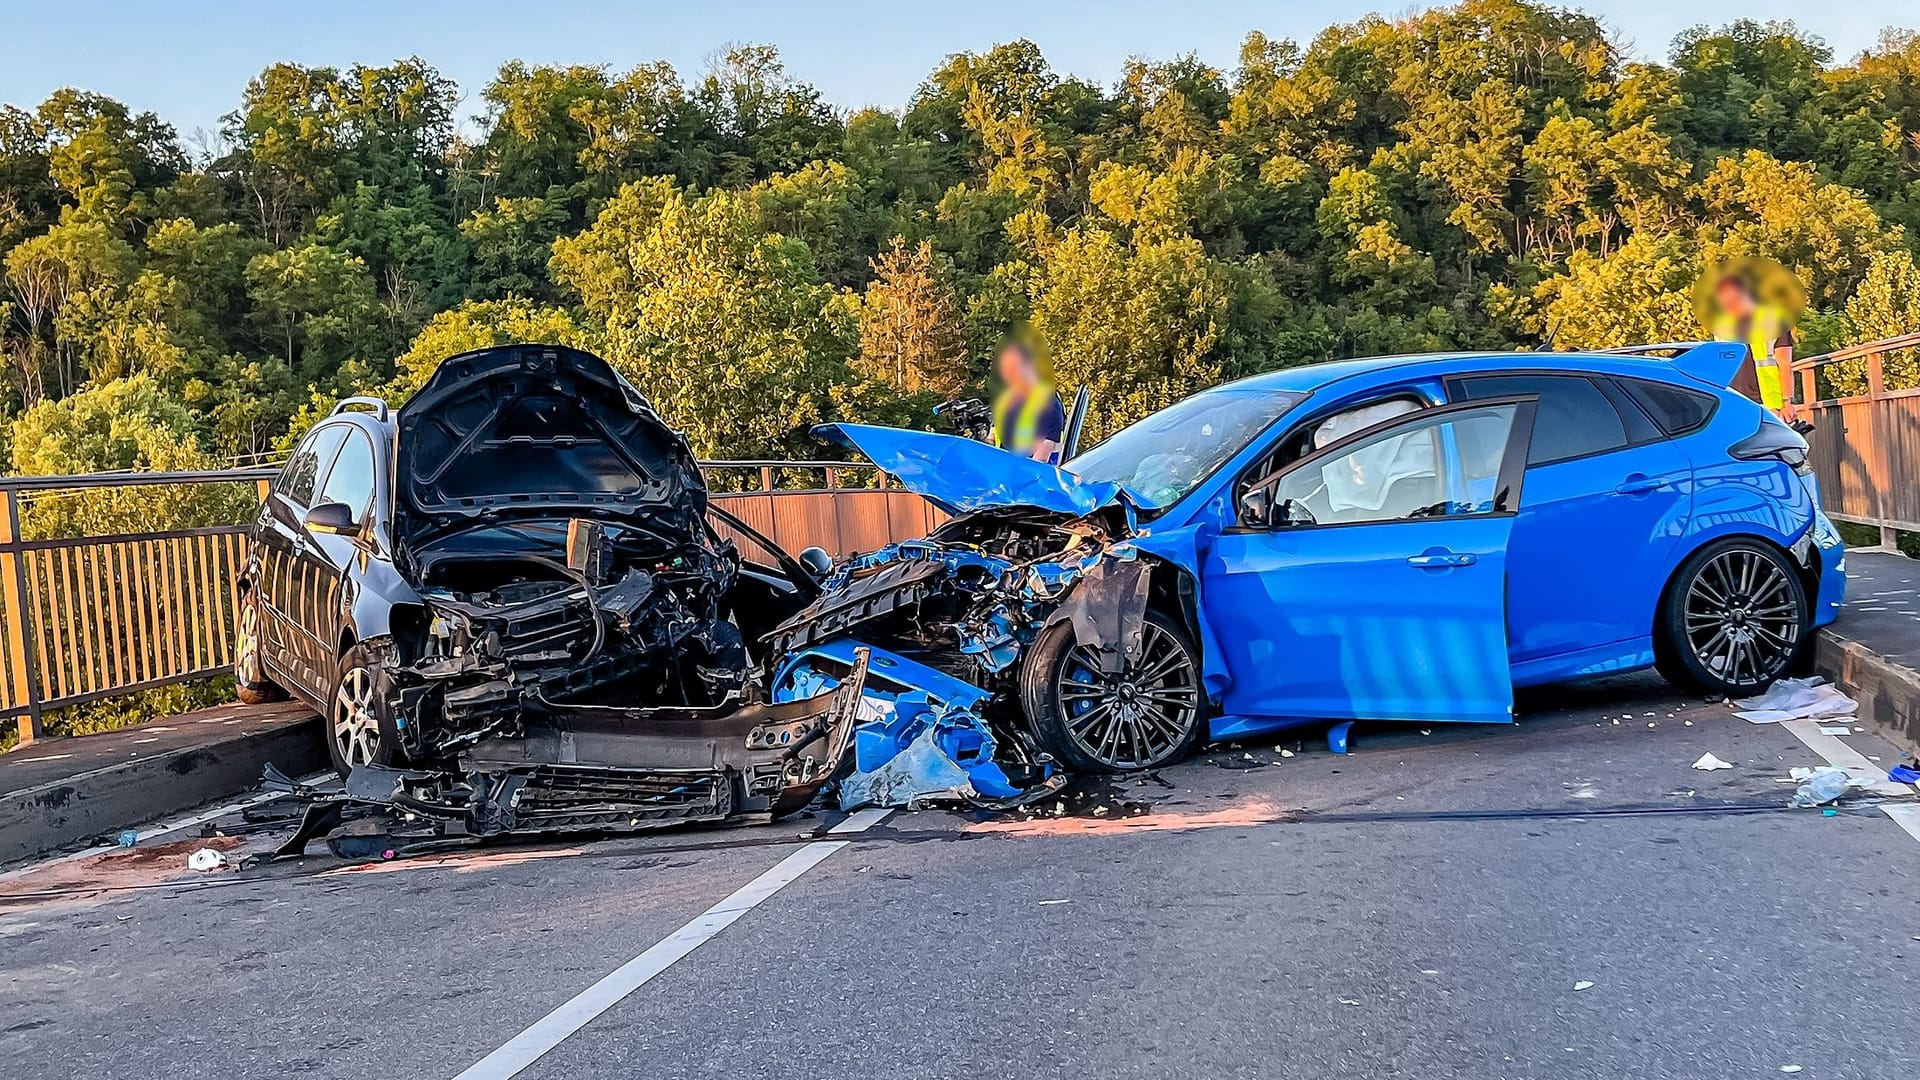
<point x="1404" y="538"/>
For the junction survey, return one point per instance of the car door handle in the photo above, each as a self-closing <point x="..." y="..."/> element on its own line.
<point x="1439" y="560"/>
<point x="1640" y="484"/>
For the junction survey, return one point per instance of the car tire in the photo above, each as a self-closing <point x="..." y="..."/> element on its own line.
<point x="1735" y="618"/>
<point x="359" y="723"/>
<point x="250" y="682"/>
<point x="1149" y="714"/>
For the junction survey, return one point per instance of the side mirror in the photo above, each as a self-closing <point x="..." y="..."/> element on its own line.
<point x="1256" y="507"/>
<point x="817" y="561"/>
<point x="332" y="518"/>
<point x="1292" y="514"/>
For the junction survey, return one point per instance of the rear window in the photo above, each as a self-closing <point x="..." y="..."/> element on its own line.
<point x="1676" y="409"/>
<point x="1575" y="418"/>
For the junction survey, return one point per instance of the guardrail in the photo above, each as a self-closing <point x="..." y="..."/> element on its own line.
<point x="89" y="617"/>
<point x="1865" y="448"/>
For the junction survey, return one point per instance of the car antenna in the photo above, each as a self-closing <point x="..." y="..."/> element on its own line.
<point x="1553" y="331"/>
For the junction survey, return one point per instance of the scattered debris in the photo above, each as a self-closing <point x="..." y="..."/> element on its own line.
<point x="1839" y="729"/>
<point x="1823" y="784"/>
<point x="206" y="858"/>
<point x="129" y="837"/>
<point x="1904" y="774"/>
<point x="1796" y="699"/>
<point x="1049" y="903"/>
<point x="1789" y="1068"/>
<point x="1583" y="984"/>
<point x="1709" y="763"/>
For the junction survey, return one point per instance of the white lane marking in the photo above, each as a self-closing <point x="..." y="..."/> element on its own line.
<point x="550" y="1030"/>
<point x="150" y="830"/>
<point x="1907" y="816"/>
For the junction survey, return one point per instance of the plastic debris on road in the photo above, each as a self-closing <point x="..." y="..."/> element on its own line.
<point x="1583" y="984"/>
<point x="206" y="858"/>
<point x="1796" y="699"/>
<point x="1822" y="785"/>
<point x="1904" y="774"/>
<point x="1709" y="763"/>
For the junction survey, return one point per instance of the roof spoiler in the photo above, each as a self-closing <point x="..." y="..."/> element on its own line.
<point x="1712" y="362"/>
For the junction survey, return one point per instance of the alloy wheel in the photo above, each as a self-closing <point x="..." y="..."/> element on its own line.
<point x="1137" y="717"/>
<point x="246" y="645"/>
<point x="1742" y="619"/>
<point x="356" y="729"/>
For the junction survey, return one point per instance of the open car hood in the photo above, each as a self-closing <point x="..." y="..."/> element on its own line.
<point x="961" y="475"/>
<point x="538" y="431"/>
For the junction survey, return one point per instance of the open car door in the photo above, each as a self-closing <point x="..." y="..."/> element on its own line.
<point x="1367" y="580"/>
<point x="1076" y="423"/>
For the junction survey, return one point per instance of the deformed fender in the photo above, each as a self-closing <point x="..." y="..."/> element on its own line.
<point x="1184" y="549"/>
<point x="1106" y="608"/>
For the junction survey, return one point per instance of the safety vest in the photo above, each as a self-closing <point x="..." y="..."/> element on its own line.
<point x="1762" y="331"/>
<point x="1018" y="433"/>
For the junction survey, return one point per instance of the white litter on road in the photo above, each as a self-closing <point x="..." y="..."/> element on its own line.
<point x="1708" y="763"/>
<point x="1582" y="985"/>
<point x="1796" y="699"/>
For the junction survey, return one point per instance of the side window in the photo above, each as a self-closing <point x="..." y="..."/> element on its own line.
<point x="1676" y="409"/>
<point x="303" y="469"/>
<point x="1575" y="420"/>
<point x="350" y="481"/>
<point x="1397" y="474"/>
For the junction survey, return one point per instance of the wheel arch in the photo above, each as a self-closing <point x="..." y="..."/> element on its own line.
<point x="1807" y="571"/>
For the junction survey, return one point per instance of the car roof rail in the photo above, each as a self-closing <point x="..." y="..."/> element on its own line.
<point x="378" y="405"/>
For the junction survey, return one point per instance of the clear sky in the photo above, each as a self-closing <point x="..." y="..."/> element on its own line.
<point x="189" y="60"/>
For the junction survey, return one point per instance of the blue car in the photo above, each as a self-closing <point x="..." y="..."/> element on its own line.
<point x="1404" y="538"/>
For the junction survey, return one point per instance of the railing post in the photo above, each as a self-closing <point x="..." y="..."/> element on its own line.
<point x="265" y="488"/>
<point x="1881" y="469"/>
<point x="13" y="592"/>
<point x="766" y="478"/>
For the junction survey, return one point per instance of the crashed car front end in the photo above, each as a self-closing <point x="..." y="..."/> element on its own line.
<point x="607" y="768"/>
<point x="573" y="656"/>
<point x="950" y="621"/>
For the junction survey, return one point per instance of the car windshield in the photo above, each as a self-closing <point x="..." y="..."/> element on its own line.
<point x="1166" y="455"/>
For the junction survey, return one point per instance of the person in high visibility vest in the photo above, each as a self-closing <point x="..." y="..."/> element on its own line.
<point x="1768" y="336"/>
<point x="1028" y="418"/>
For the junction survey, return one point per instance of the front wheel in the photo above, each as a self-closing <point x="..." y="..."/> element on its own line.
<point x="1735" y="619"/>
<point x="359" y="723"/>
<point x="1147" y="714"/>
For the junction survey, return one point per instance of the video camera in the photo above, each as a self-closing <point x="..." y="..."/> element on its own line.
<point x="970" y="417"/>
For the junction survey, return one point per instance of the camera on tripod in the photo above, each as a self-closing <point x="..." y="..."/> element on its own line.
<point x="969" y="417"/>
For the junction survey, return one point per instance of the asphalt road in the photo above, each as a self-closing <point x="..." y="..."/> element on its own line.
<point x="1425" y="906"/>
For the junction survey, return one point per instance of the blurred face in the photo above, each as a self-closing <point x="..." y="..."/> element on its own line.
<point x="1734" y="298"/>
<point x="1015" y="368"/>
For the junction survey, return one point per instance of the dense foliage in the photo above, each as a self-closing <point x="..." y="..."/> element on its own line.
<point x="1480" y="176"/>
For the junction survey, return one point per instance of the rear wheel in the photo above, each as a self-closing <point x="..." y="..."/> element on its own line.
<point x="1734" y="620"/>
<point x="359" y="723"/>
<point x="250" y="682"/>
<point x="1147" y="714"/>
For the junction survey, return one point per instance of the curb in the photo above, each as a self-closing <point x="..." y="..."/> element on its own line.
<point x="79" y="808"/>
<point x="1888" y="693"/>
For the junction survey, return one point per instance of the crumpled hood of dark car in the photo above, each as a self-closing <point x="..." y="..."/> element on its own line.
<point x="526" y="431"/>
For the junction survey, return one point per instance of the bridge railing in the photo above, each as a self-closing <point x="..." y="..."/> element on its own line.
<point x="110" y="611"/>
<point x="1865" y="447"/>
